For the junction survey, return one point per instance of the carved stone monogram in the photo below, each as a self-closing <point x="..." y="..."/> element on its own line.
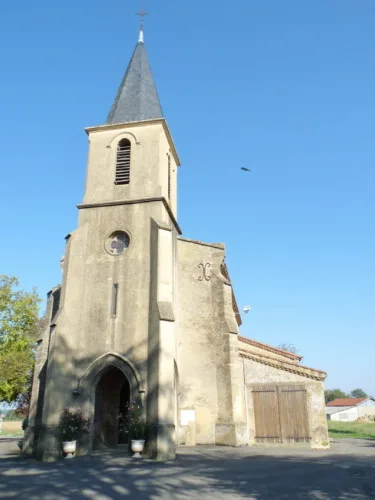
<point x="205" y="271"/>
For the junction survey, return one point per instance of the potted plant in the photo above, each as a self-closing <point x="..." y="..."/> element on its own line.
<point x="135" y="427"/>
<point x="25" y="423"/>
<point x="71" y="424"/>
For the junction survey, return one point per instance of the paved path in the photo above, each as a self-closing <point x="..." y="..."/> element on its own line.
<point x="345" y="472"/>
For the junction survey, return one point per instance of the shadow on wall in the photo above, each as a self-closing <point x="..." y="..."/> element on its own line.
<point x="205" y="473"/>
<point x="68" y="369"/>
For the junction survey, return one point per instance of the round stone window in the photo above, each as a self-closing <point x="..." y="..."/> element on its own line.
<point x="117" y="243"/>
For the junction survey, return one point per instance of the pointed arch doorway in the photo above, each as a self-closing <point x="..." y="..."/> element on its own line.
<point x="112" y="395"/>
<point x="107" y="385"/>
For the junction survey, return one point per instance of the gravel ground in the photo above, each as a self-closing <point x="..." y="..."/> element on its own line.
<point x="346" y="471"/>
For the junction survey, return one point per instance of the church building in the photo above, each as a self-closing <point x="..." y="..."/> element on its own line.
<point x="145" y="314"/>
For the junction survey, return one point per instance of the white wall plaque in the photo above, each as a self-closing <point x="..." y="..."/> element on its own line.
<point x="187" y="416"/>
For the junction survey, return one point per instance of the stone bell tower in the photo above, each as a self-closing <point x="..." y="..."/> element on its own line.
<point x="111" y="325"/>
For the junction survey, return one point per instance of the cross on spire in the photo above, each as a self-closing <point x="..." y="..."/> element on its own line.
<point x="142" y="13"/>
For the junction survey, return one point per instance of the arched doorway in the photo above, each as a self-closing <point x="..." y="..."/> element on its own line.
<point x="112" y="394"/>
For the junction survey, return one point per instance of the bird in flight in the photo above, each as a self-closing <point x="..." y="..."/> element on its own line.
<point x="245" y="169"/>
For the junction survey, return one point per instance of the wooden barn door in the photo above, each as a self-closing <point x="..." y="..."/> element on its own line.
<point x="280" y="414"/>
<point x="293" y="414"/>
<point x="266" y="414"/>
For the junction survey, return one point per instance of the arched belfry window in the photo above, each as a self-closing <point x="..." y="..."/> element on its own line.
<point x="123" y="162"/>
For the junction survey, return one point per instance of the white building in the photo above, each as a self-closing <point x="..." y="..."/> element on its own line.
<point x="349" y="409"/>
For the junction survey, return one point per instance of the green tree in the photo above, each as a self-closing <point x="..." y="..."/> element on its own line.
<point x="331" y="394"/>
<point x="24" y="398"/>
<point x="358" y="393"/>
<point x="18" y="334"/>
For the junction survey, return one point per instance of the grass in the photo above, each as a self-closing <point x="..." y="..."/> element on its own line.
<point x="11" y="428"/>
<point x="11" y="434"/>
<point x="336" y="430"/>
<point x="351" y="430"/>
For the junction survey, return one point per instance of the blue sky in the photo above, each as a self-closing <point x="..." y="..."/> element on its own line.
<point x="284" y="88"/>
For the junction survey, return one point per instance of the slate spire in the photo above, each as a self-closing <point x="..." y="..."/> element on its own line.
<point x="137" y="98"/>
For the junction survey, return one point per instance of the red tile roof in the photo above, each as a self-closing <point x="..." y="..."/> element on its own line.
<point x="266" y="347"/>
<point x="346" y="402"/>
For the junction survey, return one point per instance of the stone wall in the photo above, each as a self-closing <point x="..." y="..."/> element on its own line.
<point x="209" y="368"/>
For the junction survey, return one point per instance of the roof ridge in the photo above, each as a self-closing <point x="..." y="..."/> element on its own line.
<point x="280" y="364"/>
<point x="219" y="246"/>
<point x="347" y="401"/>
<point x="271" y="348"/>
<point x="287" y="362"/>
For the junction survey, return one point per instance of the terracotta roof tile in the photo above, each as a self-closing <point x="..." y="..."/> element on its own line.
<point x="346" y="402"/>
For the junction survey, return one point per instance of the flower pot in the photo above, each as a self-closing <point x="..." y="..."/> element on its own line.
<point x="137" y="447"/>
<point x="69" y="448"/>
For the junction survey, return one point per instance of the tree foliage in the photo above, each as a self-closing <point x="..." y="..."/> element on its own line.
<point x="331" y="394"/>
<point x="289" y="347"/>
<point x="358" y="393"/>
<point x="18" y="334"/>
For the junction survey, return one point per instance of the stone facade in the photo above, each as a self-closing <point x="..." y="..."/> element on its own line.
<point x="210" y="370"/>
<point x="160" y="317"/>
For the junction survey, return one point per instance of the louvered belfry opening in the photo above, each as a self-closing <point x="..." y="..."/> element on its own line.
<point x="123" y="162"/>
